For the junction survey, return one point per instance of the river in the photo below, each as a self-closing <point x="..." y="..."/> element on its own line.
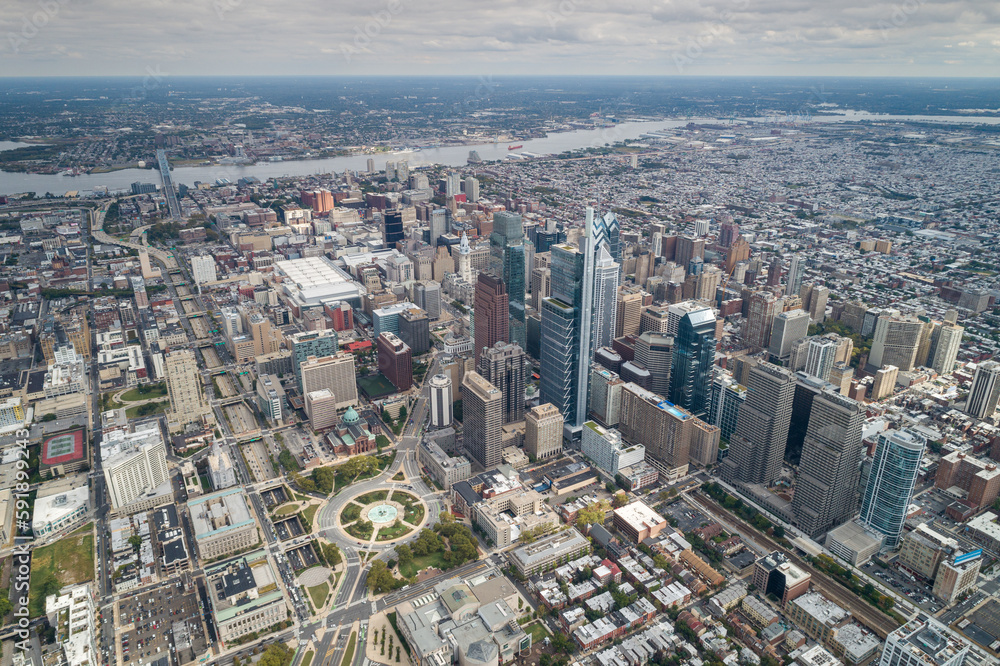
<point x="555" y="143"/>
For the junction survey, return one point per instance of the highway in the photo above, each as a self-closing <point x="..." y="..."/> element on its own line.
<point x="173" y="205"/>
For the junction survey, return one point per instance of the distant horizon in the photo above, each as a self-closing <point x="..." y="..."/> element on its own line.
<point x="679" y="77"/>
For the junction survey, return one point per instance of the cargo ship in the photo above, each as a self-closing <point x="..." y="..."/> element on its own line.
<point x="514" y="147"/>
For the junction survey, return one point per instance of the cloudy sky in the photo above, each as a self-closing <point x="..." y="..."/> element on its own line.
<point x="500" y="37"/>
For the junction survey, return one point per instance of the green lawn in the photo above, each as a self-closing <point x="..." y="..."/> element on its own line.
<point x="160" y="407"/>
<point x="307" y="516"/>
<point x="136" y="394"/>
<point x="399" y="477"/>
<point x="358" y="533"/>
<point x="404" y="498"/>
<point x="318" y="594"/>
<point x="393" y="532"/>
<point x="421" y="562"/>
<point x="350" y="513"/>
<point x="65" y="562"/>
<point x="307" y="659"/>
<point x="376" y="496"/>
<point x="538" y="632"/>
<point x="414" y="514"/>
<point x="287" y="509"/>
<point x="349" y="655"/>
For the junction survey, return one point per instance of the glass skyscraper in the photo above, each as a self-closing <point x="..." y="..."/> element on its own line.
<point x="507" y="259"/>
<point x="606" y="276"/>
<point x="694" y="355"/>
<point x="560" y="332"/>
<point x="890" y="483"/>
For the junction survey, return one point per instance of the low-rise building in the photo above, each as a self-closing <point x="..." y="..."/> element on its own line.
<point x="985" y="530"/>
<point x="447" y="470"/>
<point x="59" y="512"/>
<point x="506" y="517"/>
<point x="775" y="574"/>
<point x="549" y="552"/>
<point x="222" y="524"/>
<point x="638" y="522"/>
<point x="817" y="616"/>
<point x="246" y="597"/>
<point x="956" y="575"/>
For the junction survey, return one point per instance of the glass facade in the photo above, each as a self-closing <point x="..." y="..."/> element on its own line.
<point x="694" y="355"/>
<point x="507" y="259"/>
<point x="890" y="483"/>
<point x="559" y="354"/>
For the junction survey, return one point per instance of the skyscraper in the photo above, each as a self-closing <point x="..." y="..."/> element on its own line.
<point x="463" y="260"/>
<point x="187" y="402"/>
<point x="945" y="343"/>
<point x="757" y="446"/>
<point x="694" y="355"/>
<point x="886" y="502"/>
<point x="491" y="313"/>
<point x="774" y="273"/>
<point x="311" y="343"/>
<point x="507" y="260"/>
<point x="395" y="360"/>
<point x="441" y="401"/>
<point x="663" y="428"/>
<point x="985" y="391"/>
<point x="827" y="482"/>
<point x="392" y="231"/>
<point x="796" y="271"/>
<point x="543" y="432"/>
<point x="655" y="351"/>
<point x="820" y="357"/>
<point x="482" y="406"/>
<point x="438" y="223"/>
<point x="607" y="231"/>
<point x="787" y="328"/>
<point x="728" y="232"/>
<point x="760" y="318"/>
<point x="505" y="365"/>
<point x="895" y="341"/>
<point x="606" y="276"/>
<point x="629" y="311"/>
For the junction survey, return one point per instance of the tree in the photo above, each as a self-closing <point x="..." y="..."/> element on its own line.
<point x="48" y="417"/>
<point x="593" y="514"/>
<point x="610" y="487"/>
<point x="381" y="580"/>
<point x="405" y="553"/>
<point x="561" y="644"/>
<point x="135" y="541"/>
<point x="621" y="499"/>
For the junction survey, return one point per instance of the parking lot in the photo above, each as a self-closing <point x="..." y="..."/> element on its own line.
<point x="915" y="590"/>
<point x="157" y="623"/>
<point x="687" y="518"/>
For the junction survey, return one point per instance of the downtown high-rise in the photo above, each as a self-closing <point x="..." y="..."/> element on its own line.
<point x="757" y="446"/>
<point x="826" y="486"/>
<point x="490" y="313"/>
<point x="694" y="355"/>
<point x="508" y="261"/>
<point x="505" y="365"/>
<point x="895" y="467"/>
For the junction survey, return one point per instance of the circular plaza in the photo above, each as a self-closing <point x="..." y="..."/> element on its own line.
<point x="381" y="516"/>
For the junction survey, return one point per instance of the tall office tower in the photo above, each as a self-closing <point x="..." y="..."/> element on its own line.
<point x="335" y="373"/>
<point x="265" y="339"/>
<point x="441" y="401"/>
<point x="232" y="321"/>
<point x="371" y="165"/>
<point x="428" y="296"/>
<point x="788" y="327"/>
<point x="438" y="223"/>
<point x="392" y="231"/>
<point x="482" y="407"/>
<point x="541" y="286"/>
<point x="774" y="273"/>
<point x="738" y="252"/>
<point x="663" y="428"/>
<point x="701" y="227"/>
<point x="560" y="332"/>
<point x="606" y="276"/>
<point x="543" y="432"/>
<point x="688" y="247"/>
<point x="724" y="404"/>
<point x="760" y="318"/>
<point x="203" y="269"/>
<point x="134" y="463"/>
<point x="605" y="395"/>
<point x="414" y="330"/>
<point x="894" y="472"/>
<point x="817" y="303"/>
<point x="982" y="400"/>
<point x="757" y="446"/>
<point x="923" y="641"/>
<point x="885" y="382"/>
<point x="796" y="271"/>
<point x="655" y="352"/>
<point x="507" y="260"/>
<point x="728" y="232"/>
<point x="629" y="311"/>
<point x="310" y="343"/>
<point x="505" y="365"/>
<point x="187" y="402"/>
<point x="827" y="483"/>
<point x="840" y="376"/>
<point x="922" y="359"/>
<point x="694" y="356"/>
<point x="471" y="189"/>
<point x="676" y="311"/>
<point x="895" y="341"/>
<point x="395" y="360"/>
<point x="946" y="342"/>
<point x="403" y="171"/>
<point x="820" y="357"/>
<point x="491" y="312"/>
<point x="607" y="232"/>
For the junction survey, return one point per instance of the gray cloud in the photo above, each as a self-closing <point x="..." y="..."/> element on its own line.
<point x="184" y="37"/>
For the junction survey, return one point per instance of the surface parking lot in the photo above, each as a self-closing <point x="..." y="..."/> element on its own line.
<point x="163" y="622"/>
<point x="686" y="517"/>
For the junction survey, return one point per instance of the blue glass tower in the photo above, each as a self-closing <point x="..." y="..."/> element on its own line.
<point x="507" y="259"/>
<point x="890" y="485"/>
<point x="694" y="355"/>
